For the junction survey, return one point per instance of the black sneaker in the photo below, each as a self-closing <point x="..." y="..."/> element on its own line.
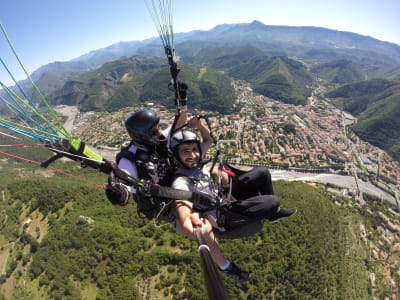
<point x="281" y="214"/>
<point x="236" y="273"/>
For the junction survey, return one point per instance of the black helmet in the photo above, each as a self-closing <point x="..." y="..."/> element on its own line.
<point x="141" y="127"/>
<point x="182" y="137"/>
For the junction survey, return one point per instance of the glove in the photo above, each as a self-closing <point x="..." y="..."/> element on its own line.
<point x="117" y="193"/>
<point x="182" y="88"/>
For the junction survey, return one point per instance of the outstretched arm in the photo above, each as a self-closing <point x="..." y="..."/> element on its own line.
<point x="186" y="217"/>
<point x="190" y="220"/>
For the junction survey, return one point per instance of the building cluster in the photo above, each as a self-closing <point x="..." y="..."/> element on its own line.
<point x="107" y="130"/>
<point x="311" y="136"/>
<point x="314" y="137"/>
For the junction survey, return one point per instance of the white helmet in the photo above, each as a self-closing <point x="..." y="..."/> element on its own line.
<point x="180" y="137"/>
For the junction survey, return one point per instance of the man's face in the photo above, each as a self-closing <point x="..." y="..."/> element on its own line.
<point x="189" y="155"/>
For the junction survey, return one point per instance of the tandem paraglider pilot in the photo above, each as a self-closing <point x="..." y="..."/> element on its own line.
<point x="145" y="158"/>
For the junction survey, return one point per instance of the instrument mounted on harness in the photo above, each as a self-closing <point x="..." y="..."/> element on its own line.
<point x="77" y="150"/>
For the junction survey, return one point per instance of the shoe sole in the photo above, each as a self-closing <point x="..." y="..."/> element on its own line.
<point x="280" y="219"/>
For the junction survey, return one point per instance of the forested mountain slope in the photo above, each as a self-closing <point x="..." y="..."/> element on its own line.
<point x="376" y="103"/>
<point x="136" y="80"/>
<point x="77" y="245"/>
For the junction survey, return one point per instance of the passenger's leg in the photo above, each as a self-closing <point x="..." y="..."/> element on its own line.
<point x="258" y="207"/>
<point x="252" y="183"/>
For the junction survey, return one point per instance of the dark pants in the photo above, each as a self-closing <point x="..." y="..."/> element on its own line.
<point x="244" y="217"/>
<point x="255" y="201"/>
<point x="254" y="182"/>
<point x="256" y="208"/>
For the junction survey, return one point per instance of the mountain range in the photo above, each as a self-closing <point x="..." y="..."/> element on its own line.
<point x="281" y="62"/>
<point x="303" y="42"/>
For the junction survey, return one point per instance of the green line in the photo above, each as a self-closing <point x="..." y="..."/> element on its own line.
<point x="18" y="125"/>
<point x="36" y="88"/>
<point x="23" y="102"/>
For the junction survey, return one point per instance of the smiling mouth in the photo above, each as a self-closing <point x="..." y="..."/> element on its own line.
<point x="190" y="161"/>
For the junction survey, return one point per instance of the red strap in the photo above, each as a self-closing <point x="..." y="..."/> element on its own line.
<point x="229" y="172"/>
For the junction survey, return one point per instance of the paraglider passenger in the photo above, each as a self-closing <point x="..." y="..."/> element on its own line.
<point x="188" y="151"/>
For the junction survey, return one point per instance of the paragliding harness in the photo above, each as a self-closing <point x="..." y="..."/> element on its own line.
<point x="157" y="166"/>
<point x="151" y="167"/>
<point x="227" y="223"/>
<point x="235" y="224"/>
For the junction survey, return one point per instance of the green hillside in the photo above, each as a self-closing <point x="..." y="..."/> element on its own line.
<point x="129" y="81"/>
<point x="376" y="104"/>
<point x="338" y="71"/>
<point x="78" y="246"/>
<point x="279" y="78"/>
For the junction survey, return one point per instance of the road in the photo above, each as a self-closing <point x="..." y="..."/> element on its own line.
<point x="339" y="180"/>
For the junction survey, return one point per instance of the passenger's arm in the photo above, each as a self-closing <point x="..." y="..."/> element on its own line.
<point x="182" y="118"/>
<point x="188" y="219"/>
<point x="206" y="139"/>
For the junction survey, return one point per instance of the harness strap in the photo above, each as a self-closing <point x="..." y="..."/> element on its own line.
<point x="140" y="155"/>
<point x="201" y="201"/>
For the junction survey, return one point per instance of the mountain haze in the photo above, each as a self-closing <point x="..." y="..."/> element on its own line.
<point x="289" y="40"/>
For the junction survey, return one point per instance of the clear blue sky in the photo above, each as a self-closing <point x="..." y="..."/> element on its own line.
<point x="44" y="31"/>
